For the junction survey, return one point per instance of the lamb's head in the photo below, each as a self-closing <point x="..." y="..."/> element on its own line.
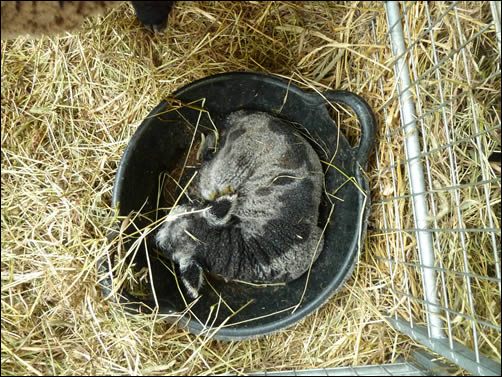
<point x="183" y="236"/>
<point x="174" y="232"/>
<point x="177" y="243"/>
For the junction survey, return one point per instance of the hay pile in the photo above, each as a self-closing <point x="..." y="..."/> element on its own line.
<point x="69" y="106"/>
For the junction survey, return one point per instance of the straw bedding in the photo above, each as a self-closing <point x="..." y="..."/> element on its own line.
<point x="70" y="103"/>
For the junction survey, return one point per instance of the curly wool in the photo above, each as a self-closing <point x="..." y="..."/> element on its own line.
<point x="48" y="17"/>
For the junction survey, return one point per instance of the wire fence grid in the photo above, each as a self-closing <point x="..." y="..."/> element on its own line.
<point x="454" y="193"/>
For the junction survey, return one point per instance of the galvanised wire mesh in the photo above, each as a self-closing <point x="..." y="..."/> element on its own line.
<point x="442" y="228"/>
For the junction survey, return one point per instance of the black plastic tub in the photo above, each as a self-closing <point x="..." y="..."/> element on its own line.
<point x="161" y="141"/>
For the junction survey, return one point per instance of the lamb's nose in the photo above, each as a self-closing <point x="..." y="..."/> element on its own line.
<point x="220" y="208"/>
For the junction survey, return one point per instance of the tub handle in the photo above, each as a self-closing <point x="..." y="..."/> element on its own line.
<point x="366" y="118"/>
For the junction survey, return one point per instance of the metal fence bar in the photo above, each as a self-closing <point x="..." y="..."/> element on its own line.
<point x="398" y="21"/>
<point x="495" y="8"/>
<point x="397" y="219"/>
<point x="394" y="369"/>
<point x="429" y="177"/>
<point x="432" y="230"/>
<point x="416" y="174"/>
<point x="459" y="354"/>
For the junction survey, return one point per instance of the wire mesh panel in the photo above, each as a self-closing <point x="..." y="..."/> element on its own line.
<point x="440" y="219"/>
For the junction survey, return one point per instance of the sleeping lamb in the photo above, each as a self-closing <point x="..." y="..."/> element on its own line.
<point x="256" y="213"/>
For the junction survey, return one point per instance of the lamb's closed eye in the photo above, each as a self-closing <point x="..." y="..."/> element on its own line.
<point x="256" y="216"/>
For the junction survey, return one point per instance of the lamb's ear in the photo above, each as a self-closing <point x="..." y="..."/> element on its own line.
<point x="207" y="147"/>
<point x="191" y="276"/>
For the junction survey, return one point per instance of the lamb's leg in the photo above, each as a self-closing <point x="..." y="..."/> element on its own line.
<point x="191" y="276"/>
